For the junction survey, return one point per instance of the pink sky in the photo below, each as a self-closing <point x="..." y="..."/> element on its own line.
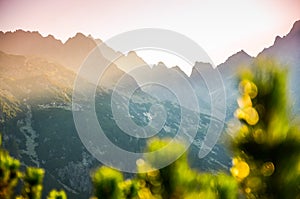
<point x="221" y="27"/>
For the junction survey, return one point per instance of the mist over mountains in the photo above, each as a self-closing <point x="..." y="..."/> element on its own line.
<point x="37" y="76"/>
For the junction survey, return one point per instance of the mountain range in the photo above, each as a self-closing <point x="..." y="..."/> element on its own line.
<point x="37" y="76"/>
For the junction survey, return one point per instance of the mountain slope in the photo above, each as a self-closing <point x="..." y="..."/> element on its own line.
<point x="287" y="51"/>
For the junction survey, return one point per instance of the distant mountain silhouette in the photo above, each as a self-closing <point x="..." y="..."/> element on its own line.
<point x="73" y="52"/>
<point x="285" y="49"/>
<point x="229" y="67"/>
<point x="70" y="54"/>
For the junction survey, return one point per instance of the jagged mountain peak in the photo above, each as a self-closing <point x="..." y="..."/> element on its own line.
<point x="34" y="35"/>
<point x="80" y="35"/>
<point x="277" y="39"/>
<point x="50" y="36"/>
<point x="242" y="52"/>
<point x="294" y="32"/>
<point x="200" y="65"/>
<point x="177" y="68"/>
<point x="238" y="56"/>
<point x="133" y="55"/>
<point x="79" y="38"/>
<point x="160" y="65"/>
<point x="296" y="28"/>
<point x="286" y="46"/>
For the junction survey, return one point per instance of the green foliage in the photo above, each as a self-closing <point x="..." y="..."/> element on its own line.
<point x="267" y="145"/>
<point x="106" y="183"/>
<point x="178" y="180"/>
<point x="167" y="182"/>
<point x="129" y="189"/>
<point x="9" y="106"/>
<point x="9" y="174"/>
<point x="175" y="181"/>
<point x="33" y="180"/>
<point x="54" y="194"/>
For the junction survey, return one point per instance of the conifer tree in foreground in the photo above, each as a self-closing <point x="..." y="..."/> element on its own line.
<point x="9" y="174"/>
<point x="267" y="145"/>
<point x="32" y="180"/>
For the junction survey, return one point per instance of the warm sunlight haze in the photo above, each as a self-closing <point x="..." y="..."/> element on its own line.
<point x="221" y="28"/>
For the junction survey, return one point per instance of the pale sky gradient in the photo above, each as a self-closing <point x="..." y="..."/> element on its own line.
<point x="220" y="27"/>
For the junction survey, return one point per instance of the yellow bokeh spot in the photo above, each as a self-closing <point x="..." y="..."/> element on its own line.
<point x="258" y="136"/>
<point x="244" y="129"/>
<point x="251" y="115"/>
<point x="248" y="114"/>
<point x="248" y="87"/>
<point x="239" y="113"/>
<point x="153" y="173"/>
<point x="235" y="161"/>
<point x="244" y="101"/>
<point x="240" y="169"/>
<point x="267" y="168"/>
<point x="248" y="190"/>
<point x="234" y="171"/>
<point x="253" y="92"/>
<point x="244" y="86"/>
